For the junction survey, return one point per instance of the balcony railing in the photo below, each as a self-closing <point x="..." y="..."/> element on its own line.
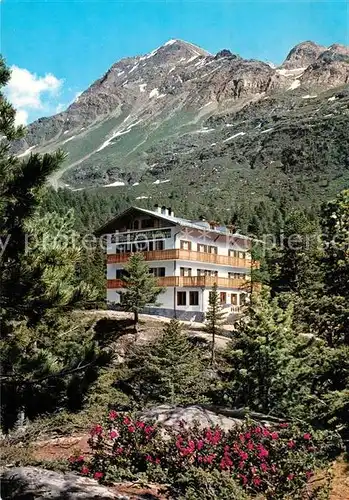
<point x="193" y="281"/>
<point x="187" y="255"/>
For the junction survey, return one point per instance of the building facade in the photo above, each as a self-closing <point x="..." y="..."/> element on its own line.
<point x="187" y="257"/>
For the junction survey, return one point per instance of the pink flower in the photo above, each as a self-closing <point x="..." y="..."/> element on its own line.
<point x="97" y="430"/>
<point x="119" y="450"/>
<point x="157" y="460"/>
<point x="284" y="425"/>
<point x="113" y="415"/>
<point x="114" y="434"/>
<point x="290" y="476"/>
<point x="98" y="475"/>
<point x="199" y="444"/>
<point x="242" y="438"/>
<point x="262" y="452"/>
<point x="309" y="474"/>
<point x="243" y="455"/>
<point x="291" y="443"/>
<point x="140" y="425"/>
<point x="85" y="470"/>
<point x="149" y="458"/>
<point x="241" y="464"/>
<point x="265" y="432"/>
<point x="148" y="429"/>
<point x="264" y="467"/>
<point x="257" y="430"/>
<point x="247" y="435"/>
<point x="307" y="436"/>
<point x="127" y="421"/>
<point x="274" y="435"/>
<point x="250" y="445"/>
<point x="256" y="481"/>
<point x="131" y="428"/>
<point x="311" y="448"/>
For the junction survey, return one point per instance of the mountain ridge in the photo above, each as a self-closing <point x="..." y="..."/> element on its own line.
<point x="147" y="109"/>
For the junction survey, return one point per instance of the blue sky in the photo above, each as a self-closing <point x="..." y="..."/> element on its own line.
<point x="60" y="47"/>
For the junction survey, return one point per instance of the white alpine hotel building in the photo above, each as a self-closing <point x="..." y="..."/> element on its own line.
<point x="188" y="257"/>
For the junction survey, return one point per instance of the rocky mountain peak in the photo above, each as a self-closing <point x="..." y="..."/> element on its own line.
<point x="226" y="53"/>
<point x="302" y="55"/>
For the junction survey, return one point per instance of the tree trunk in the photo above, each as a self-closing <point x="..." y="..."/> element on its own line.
<point x="213" y="360"/>
<point x="136" y="320"/>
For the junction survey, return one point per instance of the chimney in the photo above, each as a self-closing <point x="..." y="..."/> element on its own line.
<point x="164" y="210"/>
<point x="157" y="209"/>
<point x="170" y="212"/>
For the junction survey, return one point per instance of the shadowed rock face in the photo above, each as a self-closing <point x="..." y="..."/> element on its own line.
<point x="116" y="129"/>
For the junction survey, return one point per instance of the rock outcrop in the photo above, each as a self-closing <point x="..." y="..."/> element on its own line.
<point x="34" y="483"/>
<point x="302" y="55"/>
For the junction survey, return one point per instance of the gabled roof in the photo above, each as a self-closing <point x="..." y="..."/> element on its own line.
<point x="173" y="221"/>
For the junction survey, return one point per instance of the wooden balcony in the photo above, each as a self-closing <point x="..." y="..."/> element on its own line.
<point x="193" y="281"/>
<point x="186" y="255"/>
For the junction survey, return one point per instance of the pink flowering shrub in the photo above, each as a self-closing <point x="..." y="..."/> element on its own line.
<point x="273" y="461"/>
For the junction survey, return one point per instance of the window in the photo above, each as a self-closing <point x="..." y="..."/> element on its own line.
<point x="234" y="299"/>
<point x="159" y="245"/>
<point x="223" y="297"/>
<point x="185" y="245"/>
<point x="202" y="248"/>
<point x="212" y="249"/>
<point x="237" y="254"/>
<point x="207" y="272"/>
<point x="185" y="271"/>
<point x="236" y="276"/>
<point x="120" y="273"/>
<point x="193" y="298"/>
<point x="146" y="223"/>
<point x="136" y="224"/>
<point x="181" y="298"/>
<point x="157" y="271"/>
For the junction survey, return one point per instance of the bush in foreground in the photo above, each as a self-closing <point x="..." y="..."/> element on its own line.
<point x="276" y="462"/>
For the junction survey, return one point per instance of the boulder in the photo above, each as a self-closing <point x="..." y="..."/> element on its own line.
<point x="177" y="416"/>
<point x="34" y="483"/>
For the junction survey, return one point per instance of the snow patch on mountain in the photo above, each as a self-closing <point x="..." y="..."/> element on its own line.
<point x="116" y="183"/>
<point x="134" y="68"/>
<point x="294" y="85"/>
<point x="161" y="182"/>
<point x="26" y="152"/>
<point x="233" y="136"/>
<point x="170" y="42"/>
<point x="70" y="139"/>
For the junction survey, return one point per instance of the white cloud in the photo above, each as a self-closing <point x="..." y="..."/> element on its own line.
<point x="21" y="117"/>
<point x="27" y="91"/>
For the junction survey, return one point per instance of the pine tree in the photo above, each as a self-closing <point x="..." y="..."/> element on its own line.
<point x="141" y="287"/>
<point x="259" y="356"/>
<point x="294" y="265"/>
<point x="167" y="370"/>
<point x="214" y="319"/>
<point x="328" y="309"/>
<point x="41" y="347"/>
